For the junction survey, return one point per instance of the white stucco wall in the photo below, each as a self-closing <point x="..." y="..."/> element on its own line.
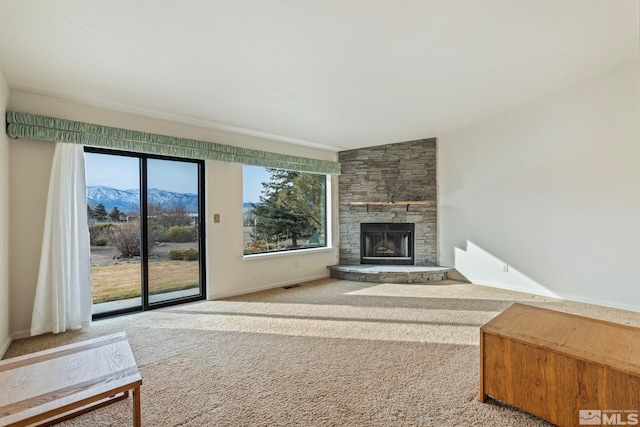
<point x="5" y="336"/>
<point x="551" y="189"/>
<point x="227" y="273"/>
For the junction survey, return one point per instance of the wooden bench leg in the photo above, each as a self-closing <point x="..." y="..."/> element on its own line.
<point x="137" y="419"/>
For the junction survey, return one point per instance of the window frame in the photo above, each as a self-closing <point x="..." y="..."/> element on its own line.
<point x="144" y="244"/>
<point x="327" y="246"/>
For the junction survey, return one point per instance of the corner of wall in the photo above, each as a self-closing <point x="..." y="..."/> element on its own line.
<point x="5" y="336"/>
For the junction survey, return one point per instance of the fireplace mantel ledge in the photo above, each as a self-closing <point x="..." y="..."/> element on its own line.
<point x="408" y="202"/>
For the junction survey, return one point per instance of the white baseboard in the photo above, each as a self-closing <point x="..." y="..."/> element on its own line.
<point x="266" y="287"/>
<point x="15" y="336"/>
<point x="20" y="334"/>
<point x="615" y="305"/>
<point x="574" y="298"/>
<point x="5" y="346"/>
<point x="514" y="288"/>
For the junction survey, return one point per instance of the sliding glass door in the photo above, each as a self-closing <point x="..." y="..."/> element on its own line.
<point x="146" y="228"/>
<point x="173" y="236"/>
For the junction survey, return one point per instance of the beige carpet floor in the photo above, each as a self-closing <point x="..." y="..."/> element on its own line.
<point x="327" y="353"/>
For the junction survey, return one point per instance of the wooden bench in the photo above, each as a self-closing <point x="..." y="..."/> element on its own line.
<point x="48" y="386"/>
<point x="561" y="367"/>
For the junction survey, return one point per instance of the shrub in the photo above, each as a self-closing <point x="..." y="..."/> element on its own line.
<point x="100" y="241"/>
<point x="184" y="255"/>
<point x="181" y="234"/>
<point x="100" y="230"/>
<point x="157" y="232"/>
<point x="258" y="246"/>
<point x="126" y="238"/>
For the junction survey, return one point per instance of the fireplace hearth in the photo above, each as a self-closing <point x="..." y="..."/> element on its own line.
<point x="387" y="243"/>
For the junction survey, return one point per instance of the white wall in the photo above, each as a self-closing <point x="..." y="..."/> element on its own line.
<point x="5" y="336"/>
<point x="552" y="189"/>
<point x="227" y="273"/>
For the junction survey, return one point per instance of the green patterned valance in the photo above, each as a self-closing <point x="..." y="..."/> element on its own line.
<point x="23" y="125"/>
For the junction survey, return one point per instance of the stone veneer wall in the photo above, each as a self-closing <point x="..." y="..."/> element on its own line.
<point x="389" y="183"/>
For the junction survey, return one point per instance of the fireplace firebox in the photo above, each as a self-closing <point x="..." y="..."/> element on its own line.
<point x="386" y="243"/>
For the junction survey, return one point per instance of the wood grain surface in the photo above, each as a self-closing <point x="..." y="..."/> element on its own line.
<point x="59" y="381"/>
<point x="554" y="364"/>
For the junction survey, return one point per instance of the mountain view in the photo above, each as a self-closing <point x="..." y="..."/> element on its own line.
<point x="129" y="200"/>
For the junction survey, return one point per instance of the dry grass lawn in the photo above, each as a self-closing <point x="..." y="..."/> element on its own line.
<point x="116" y="282"/>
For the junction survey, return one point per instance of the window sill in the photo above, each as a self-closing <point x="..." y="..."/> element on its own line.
<point x="298" y="252"/>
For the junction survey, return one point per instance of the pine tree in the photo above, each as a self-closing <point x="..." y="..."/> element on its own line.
<point x="114" y="215"/>
<point x="291" y="206"/>
<point x="100" y="213"/>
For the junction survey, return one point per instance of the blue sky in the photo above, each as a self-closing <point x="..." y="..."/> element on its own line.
<point x="180" y="177"/>
<point x="253" y="177"/>
<point x="123" y="173"/>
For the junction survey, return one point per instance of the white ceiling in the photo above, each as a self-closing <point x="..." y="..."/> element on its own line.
<point x="338" y="74"/>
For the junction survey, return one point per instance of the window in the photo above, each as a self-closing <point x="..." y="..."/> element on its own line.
<point x="146" y="228"/>
<point x="284" y="210"/>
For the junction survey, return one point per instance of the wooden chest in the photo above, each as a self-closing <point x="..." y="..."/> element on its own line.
<point x="561" y="367"/>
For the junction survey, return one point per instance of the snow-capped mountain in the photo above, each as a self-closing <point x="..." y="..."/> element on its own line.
<point x="129" y="200"/>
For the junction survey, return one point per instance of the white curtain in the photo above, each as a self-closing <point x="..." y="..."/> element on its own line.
<point x="63" y="293"/>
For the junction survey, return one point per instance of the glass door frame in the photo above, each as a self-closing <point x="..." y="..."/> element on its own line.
<point x="144" y="244"/>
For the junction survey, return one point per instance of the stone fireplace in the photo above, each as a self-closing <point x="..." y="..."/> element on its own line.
<point x="390" y="184"/>
<point x="386" y="243"/>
